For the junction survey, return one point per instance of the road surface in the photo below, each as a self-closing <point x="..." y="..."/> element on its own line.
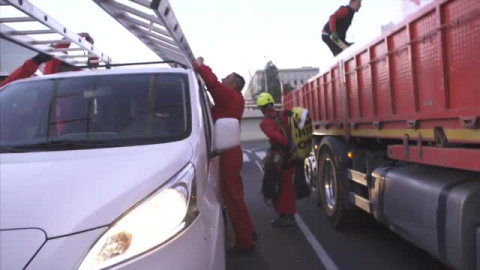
<point x="312" y="244"/>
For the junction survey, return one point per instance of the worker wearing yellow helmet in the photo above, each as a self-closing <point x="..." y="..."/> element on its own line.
<point x="276" y="127"/>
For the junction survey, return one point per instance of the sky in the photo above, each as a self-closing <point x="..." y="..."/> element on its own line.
<point x="235" y="35"/>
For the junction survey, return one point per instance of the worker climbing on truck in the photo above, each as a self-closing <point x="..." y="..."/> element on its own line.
<point x="335" y="30"/>
<point x="229" y="103"/>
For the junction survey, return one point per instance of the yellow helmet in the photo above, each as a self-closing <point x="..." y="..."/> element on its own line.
<point x="264" y="99"/>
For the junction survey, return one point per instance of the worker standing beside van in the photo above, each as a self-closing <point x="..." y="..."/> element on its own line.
<point x="276" y="127"/>
<point x="229" y="103"/>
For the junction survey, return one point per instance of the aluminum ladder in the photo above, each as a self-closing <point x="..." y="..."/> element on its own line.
<point x="37" y="31"/>
<point x="154" y="23"/>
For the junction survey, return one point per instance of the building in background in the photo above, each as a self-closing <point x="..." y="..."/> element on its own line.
<point x="293" y="77"/>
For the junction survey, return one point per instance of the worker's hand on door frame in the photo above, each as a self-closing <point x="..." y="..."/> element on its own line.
<point x="198" y="62"/>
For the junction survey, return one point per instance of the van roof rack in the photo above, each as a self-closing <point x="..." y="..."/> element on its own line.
<point x="170" y="62"/>
<point x="37" y="31"/>
<point x="154" y="23"/>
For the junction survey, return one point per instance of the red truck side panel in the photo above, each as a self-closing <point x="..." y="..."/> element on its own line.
<point x="422" y="75"/>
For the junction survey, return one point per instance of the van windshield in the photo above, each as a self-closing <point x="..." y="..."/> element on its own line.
<point x="94" y="112"/>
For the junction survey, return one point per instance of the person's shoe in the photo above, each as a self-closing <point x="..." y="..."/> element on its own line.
<point x="290" y="221"/>
<point x="283" y="221"/>
<point x="279" y="221"/>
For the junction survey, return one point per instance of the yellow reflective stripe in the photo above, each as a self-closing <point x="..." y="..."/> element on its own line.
<point x="329" y="132"/>
<point x="393" y="133"/>
<point x="467" y="135"/>
<point x="463" y="134"/>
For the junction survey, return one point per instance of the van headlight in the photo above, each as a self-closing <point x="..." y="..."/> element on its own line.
<point x="155" y="220"/>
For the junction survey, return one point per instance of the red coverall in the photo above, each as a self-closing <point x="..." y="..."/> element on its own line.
<point x="51" y="67"/>
<point x="229" y="103"/>
<point x="25" y="71"/>
<point x="29" y="67"/>
<point x="286" y="201"/>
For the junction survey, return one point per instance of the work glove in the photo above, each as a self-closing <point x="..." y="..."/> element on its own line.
<point x="87" y="37"/>
<point x="41" y="58"/>
<point x="334" y="37"/>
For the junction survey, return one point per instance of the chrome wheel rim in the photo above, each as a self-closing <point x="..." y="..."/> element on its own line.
<point x="330" y="184"/>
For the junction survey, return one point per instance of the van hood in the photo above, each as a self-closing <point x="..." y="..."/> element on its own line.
<point x="71" y="191"/>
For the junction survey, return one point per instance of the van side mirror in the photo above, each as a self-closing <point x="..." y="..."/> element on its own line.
<point x="226" y="135"/>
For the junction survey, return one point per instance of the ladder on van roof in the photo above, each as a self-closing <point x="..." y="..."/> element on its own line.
<point x="154" y="23"/>
<point x="26" y="25"/>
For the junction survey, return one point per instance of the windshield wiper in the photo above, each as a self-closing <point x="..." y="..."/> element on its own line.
<point x="60" y="145"/>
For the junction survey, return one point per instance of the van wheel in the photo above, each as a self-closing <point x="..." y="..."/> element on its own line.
<point x="331" y="188"/>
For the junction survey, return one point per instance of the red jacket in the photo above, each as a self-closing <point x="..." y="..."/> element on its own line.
<point x="25" y="71"/>
<point x="272" y="130"/>
<point x="229" y="103"/>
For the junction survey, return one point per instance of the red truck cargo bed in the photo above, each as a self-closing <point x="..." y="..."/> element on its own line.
<point x="421" y="79"/>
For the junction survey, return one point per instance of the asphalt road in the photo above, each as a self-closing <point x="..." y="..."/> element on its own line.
<point x="312" y="244"/>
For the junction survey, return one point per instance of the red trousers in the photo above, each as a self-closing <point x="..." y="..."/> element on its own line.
<point x="232" y="191"/>
<point x="286" y="203"/>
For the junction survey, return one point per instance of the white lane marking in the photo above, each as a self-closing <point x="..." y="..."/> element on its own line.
<point x="317" y="247"/>
<point x="261" y="154"/>
<point x="246" y="158"/>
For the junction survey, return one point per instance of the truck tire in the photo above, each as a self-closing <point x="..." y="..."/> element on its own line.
<point x="333" y="182"/>
<point x="310" y="171"/>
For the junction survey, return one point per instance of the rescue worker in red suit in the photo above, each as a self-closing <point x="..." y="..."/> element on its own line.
<point x="285" y="205"/>
<point x="52" y="66"/>
<point x="229" y="103"/>
<point x="337" y="26"/>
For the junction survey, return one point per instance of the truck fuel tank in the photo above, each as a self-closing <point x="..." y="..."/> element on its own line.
<point x="437" y="209"/>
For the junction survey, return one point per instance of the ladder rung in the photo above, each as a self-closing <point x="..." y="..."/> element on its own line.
<point x="170" y="54"/>
<point x="65" y="50"/>
<point x="165" y="13"/>
<point x="48" y="42"/>
<point x="31" y="32"/>
<point x="167" y="41"/>
<point x="362" y="203"/>
<point x="33" y="14"/>
<point x="159" y="29"/>
<point x="357" y="177"/>
<point x="133" y="11"/>
<point x="77" y="56"/>
<point x="166" y="48"/>
<point x="134" y="22"/>
<point x="17" y="20"/>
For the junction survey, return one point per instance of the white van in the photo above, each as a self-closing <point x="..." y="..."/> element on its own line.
<point x="111" y="169"/>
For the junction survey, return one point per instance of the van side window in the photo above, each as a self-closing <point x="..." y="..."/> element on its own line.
<point x="207" y="116"/>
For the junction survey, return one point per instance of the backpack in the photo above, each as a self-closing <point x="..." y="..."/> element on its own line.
<point x="300" y="133"/>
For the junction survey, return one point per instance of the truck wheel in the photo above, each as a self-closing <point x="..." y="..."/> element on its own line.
<point x="332" y="187"/>
<point x="310" y="170"/>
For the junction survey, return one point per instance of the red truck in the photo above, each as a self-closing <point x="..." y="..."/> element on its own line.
<point x="397" y="132"/>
